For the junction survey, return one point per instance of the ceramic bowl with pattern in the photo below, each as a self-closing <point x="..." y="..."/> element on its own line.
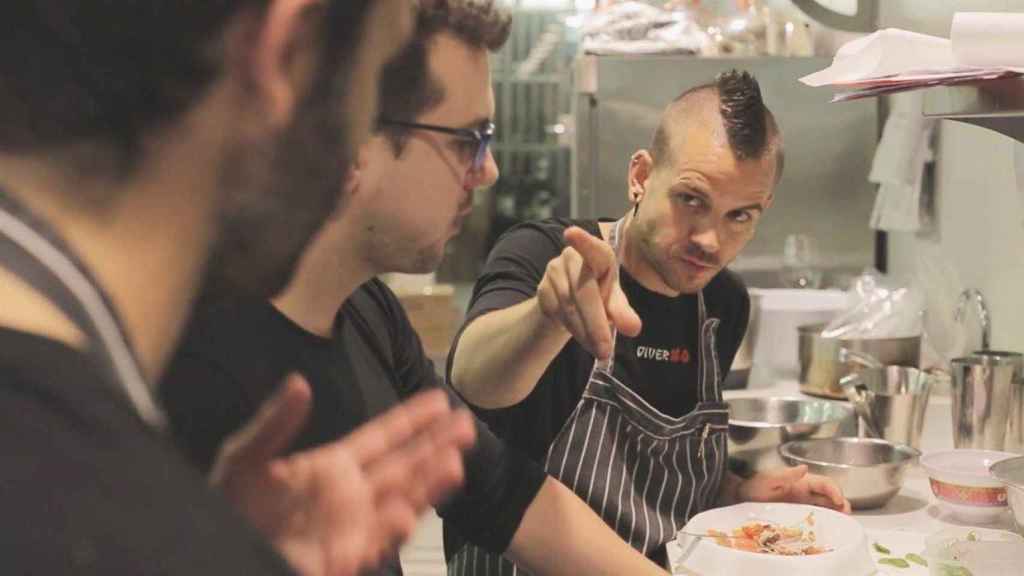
<point x="964" y="487"/>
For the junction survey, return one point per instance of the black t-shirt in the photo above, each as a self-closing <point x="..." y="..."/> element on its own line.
<point x="237" y="351"/>
<point x="660" y="364"/>
<point x="88" y="488"/>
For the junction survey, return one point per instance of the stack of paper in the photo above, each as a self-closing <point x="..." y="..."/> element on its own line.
<point x="982" y="46"/>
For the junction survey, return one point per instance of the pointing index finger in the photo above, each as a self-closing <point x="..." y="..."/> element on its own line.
<point x="596" y="253"/>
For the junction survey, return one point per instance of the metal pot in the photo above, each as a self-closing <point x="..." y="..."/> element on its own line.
<point x="821" y="368"/>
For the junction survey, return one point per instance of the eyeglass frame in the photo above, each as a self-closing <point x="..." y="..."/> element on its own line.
<point x="482" y="136"/>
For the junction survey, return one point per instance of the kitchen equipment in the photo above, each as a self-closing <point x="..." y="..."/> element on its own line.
<point x="869" y="471"/>
<point x="891" y="401"/>
<point x="984" y="318"/>
<point x="758" y="426"/>
<point x="820" y="365"/>
<point x="964" y="487"/>
<point x="772" y="330"/>
<point x="841" y="533"/>
<point x="863" y="19"/>
<point x="1011" y="473"/>
<point x="974" y="551"/>
<point x="1015" y="417"/>
<point x="981" y="389"/>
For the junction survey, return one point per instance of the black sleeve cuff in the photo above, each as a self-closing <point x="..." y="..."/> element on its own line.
<point x="501" y="483"/>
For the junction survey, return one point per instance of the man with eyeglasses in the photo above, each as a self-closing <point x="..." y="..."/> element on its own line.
<point x="346" y="332"/>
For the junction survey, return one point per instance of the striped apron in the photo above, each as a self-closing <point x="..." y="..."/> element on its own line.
<point x="645" y="473"/>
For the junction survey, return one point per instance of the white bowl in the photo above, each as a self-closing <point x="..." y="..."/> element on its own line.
<point x="845" y="536"/>
<point x="1011" y="473"/>
<point x="963" y="485"/>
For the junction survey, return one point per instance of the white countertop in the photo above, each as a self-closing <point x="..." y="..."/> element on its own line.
<point x="903" y="523"/>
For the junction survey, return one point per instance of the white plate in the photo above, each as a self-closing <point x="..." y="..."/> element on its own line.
<point x="844" y="535"/>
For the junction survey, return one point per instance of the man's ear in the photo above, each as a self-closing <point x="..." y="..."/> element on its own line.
<point x="641" y="165"/>
<point x="276" y="53"/>
<point x="359" y="172"/>
<point x="771" y="200"/>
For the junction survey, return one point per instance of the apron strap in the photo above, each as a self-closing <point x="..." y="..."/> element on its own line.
<point x="709" y="374"/>
<point x="609" y="363"/>
<point x="34" y="253"/>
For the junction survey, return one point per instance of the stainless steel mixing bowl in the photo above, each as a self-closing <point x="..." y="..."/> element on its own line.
<point x="869" y="471"/>
<point x="758" y="426"/>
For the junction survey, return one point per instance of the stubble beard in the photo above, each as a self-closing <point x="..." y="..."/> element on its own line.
<point x="277" y="195"/>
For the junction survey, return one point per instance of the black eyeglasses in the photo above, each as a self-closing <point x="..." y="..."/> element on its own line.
<point x="481" y="136"/>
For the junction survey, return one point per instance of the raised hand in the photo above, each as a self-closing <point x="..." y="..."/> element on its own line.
<point x="339" y="509"/>
<point x="580" y="291"/>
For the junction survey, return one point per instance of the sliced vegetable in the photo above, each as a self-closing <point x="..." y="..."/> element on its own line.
<point x="916" y="559"/>
<point x="881" y="549"/>
<point x="953" y="570"/>
<point x="897" y="562"/>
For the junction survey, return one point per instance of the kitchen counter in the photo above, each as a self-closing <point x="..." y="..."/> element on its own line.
<point x="903" y="524"/>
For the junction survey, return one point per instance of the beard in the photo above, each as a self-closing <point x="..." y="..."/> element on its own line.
<point x="277" y="195"/>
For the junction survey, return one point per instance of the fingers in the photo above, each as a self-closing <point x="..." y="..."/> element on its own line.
<point x="596" y="253"/>
<point x="589" y="308"/>
<point x="578" y="304"/>
<point x="270" y="431"/>
<point x="622" y="315"/>
<point x="600" y="259"/>
<point x="428" y="468"/>
<point x="580" y="289"/>
<point x="395" y="427"/>
<point x="827" y="489"/>
<point x="790" y="475"/>
<point x="814" y="500"/>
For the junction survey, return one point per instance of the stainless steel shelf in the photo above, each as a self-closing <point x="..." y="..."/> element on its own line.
<point x="994" y="104"/>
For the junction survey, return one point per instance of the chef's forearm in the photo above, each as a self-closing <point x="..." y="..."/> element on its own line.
<point x="501" y="355"/>
<point x="560" y="534"/>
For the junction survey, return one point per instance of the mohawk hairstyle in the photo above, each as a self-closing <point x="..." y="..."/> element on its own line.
<point x="743" y="113"/>
<point x="749" y="124"/>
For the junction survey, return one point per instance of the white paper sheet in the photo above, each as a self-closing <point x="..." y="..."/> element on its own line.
<point x="988" y="39"/>
<point x="982" y="45"/>
<point x="885" y="53"/>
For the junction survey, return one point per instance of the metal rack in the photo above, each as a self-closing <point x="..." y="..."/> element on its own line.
<point x="994" y="104"/>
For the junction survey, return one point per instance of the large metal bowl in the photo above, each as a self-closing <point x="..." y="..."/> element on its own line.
<point x="758" y="426"/>
<point x="869" y="471"/>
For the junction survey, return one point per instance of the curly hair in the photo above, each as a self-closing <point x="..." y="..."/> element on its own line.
<point x="407" y="89"/>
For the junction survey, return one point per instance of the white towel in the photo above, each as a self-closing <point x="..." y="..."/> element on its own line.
<point x="899" y="163"/>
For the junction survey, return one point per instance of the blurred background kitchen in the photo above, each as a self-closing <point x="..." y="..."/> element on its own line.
<point x="580" y="85"/>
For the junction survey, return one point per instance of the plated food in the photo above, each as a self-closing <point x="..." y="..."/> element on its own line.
<point x="773" y="538"/>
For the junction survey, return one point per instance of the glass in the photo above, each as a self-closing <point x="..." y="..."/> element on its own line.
<point x="481" y="135"/>
<point x="800" y="267"/>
